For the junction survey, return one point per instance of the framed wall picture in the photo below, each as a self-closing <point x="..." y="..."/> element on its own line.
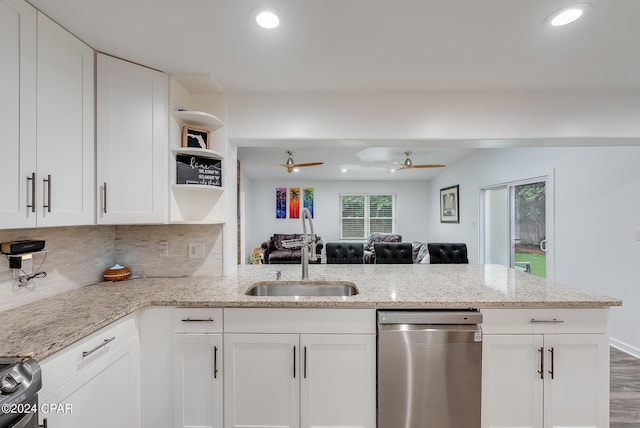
<point x="195" y="137"/>
<point x="450" y="204"/>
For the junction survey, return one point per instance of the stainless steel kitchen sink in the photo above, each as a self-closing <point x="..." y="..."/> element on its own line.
<point x="302" y="288"/>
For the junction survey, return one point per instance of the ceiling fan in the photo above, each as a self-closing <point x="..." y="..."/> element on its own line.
<point x="290" y="165"/>
<point x="407" y="164"/>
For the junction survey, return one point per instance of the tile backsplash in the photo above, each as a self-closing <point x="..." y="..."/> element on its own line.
<point x="77" y="256"/>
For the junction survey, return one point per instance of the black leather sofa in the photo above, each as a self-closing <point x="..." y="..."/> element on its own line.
<point x="273" y="252"/>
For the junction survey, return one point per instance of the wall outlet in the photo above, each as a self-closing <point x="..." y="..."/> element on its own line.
<point x="163" y="248"/>
<point x="27" y="265"/>
<point x="196" y="250"/>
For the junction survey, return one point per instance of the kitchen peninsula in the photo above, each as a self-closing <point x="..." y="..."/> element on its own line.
<point x="521" y="313"/>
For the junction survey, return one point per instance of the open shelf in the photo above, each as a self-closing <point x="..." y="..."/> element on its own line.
<point x="197" y="187"/>
<point x="197" y="119"/>
<point x="193" y="151"/>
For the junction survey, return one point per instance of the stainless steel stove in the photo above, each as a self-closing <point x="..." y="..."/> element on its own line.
<point x="20" y="381"/>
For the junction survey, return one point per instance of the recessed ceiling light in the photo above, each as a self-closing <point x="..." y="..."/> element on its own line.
<point x="343" y="170"/>
<point x="567" y="15"/>
<point x="267" y="18"/>
<point x="296" y="169"/>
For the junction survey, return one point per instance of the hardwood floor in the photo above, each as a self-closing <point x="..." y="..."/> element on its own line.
<point x="625" y="390"/>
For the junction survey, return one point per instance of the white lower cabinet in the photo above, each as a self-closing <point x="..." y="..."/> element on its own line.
<point x="95" y="383"/>
<point x="197" y="377"/>
<point x="262" y="380"/>
<point x="337" y="387"/>
<point x="310" y="375"/>
<point x="197" y="368"/>
<point x="546" y="379"/>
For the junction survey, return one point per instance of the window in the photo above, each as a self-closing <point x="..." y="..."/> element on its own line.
<point x="362" y="215"/>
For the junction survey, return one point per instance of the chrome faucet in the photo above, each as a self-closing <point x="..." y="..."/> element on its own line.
<point x="306" y="242"/>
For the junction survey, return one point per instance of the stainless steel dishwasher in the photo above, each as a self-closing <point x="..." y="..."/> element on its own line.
<point x="429" y="369"/>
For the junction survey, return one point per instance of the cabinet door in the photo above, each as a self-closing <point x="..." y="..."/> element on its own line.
<point x="17" y="112"/>
<point x="577" y="394"/>
<point x="197" y="380"/>
<point x="105" y="395"/>
<point x="512" y="386"/>
<point x="338" y="380"/>
<point x="65" y="127"/>
<point x="261" y="387"/>
<point x="132" y="143"/>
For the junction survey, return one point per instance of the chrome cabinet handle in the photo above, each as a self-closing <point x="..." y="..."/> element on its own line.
<point x="104" y="197"/>
<point x="215" y="362"/>
<point x="541" y="371"/>
<point x="553" y="321"/>
<point x="48" y="181"/>
<point x="33" y="192"/>
<point x="552" y="371"/>
<point x="91" y="351"/>
<point x="197" y="320"/>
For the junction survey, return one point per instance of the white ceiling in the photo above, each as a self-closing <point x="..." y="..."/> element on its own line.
<point x="366" y="45"/>
<point x="336" y="45"/>
<point x="362" y="161"/>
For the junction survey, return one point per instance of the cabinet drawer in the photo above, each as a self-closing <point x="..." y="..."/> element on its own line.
<point x="197" y="320"/>
<point x="68" y="363"/>
<point x="535" y="321"/>
<point x="317" y="320"/>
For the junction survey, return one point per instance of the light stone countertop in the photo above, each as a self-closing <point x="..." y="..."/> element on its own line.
<point x="48" y="325"/>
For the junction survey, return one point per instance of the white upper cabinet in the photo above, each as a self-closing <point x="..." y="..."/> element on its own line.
<point x="132" y="143"/>
<point x="47" y="122"/>
<point x="17" y="113"/>
<point x="65" y="128"/>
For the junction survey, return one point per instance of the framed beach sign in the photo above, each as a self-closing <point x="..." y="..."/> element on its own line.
<point x="450" y="204"/>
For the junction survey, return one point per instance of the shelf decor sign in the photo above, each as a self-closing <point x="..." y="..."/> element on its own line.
<point x="198" y="170"/>
<point x="281" y="202"/>
<point x="195" y="137"/>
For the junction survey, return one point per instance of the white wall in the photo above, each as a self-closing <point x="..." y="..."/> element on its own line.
<point x="261" y="222"/>
<point x="435" y="115"/>
<point x="597" y="217"/>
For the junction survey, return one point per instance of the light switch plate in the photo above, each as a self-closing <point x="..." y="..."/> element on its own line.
<point x="196" y="250"/>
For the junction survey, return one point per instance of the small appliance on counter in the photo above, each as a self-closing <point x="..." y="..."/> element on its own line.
<point x="117" y="272"/>
<point x="21" y="247"/>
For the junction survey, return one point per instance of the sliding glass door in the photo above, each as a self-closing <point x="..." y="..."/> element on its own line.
<point x="516" y="226"/>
